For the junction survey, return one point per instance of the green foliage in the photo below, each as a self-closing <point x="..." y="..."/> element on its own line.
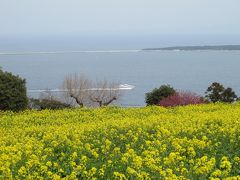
<point x="157" y="94"/>
<point x="13" y="93"/>
<point x="217" y="93"/>
<point x="47" y="104"/>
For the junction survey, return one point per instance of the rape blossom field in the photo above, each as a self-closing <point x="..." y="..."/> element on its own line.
<point x="191" y="142"/>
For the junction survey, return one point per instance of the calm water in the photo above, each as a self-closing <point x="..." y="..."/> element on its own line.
<point x="192" y="70"/>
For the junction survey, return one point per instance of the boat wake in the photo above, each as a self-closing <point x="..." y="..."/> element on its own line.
<point x="120" y="87"/>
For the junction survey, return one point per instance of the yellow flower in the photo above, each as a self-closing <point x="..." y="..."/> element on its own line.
<point x="121" y="143"/>
<point x="22" y="171"/>
<point x="225" y="165"/>
<point x="119" y="176"/>
<point x="49" y="163"/>
<point x="217" y="173"/>
<point x="92" y="171"/>
<point x="74" y="155"/>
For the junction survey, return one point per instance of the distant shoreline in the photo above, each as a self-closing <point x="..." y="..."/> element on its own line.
<point x="197" y="48"/>
<point x="172" y="48"/>
<point x="67" y="52"/>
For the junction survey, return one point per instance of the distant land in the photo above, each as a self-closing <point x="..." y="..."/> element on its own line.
<point x="172" y="48"/>
<point x="196" y="48"/>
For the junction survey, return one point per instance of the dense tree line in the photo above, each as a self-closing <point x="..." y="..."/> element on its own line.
<point x="166" y="96"/>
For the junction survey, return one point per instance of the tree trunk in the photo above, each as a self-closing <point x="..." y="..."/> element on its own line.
<point x="77" y="100"/>
<point x="110" y="101"/>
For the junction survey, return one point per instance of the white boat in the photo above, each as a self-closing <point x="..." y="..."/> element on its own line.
<point x="120" y="87"/>
<point x="126" y="86"/>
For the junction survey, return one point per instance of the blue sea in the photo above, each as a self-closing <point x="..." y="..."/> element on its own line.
<point x="184" y="70"/>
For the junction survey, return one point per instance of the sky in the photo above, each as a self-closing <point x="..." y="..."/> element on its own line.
<point x="31" y="25"/>
<point x="118" y="17"/>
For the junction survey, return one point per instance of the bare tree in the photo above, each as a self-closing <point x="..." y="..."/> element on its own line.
<point x="104" y="93"/>
<point x="85" y="93"/>
<point x="47" y="94"/>
<point x="77" y="87"/>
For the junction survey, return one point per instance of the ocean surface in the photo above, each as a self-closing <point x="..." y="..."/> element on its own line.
<point x="184" y="70"/>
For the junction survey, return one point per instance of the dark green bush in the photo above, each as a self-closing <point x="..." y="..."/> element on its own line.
<point x="47" y="104"/>
<point x="157" y="94"/>
<point x="217" y="93"/>
<point x="13" y="93"/>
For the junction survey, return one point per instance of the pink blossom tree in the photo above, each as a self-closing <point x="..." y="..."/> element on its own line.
<point x="181" y="99"/>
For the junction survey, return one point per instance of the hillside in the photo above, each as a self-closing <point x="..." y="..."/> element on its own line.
<point x="191" y="142"/>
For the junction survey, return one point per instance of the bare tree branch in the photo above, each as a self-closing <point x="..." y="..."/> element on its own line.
<point x="104" y="93"/>
<point x="77" y="87"/>
<point x="86" y="93"/>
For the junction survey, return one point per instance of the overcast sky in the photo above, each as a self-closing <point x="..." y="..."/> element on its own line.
<point x="119" y="17"/>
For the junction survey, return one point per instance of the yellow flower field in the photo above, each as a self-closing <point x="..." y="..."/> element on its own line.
<point x="191" y="142"/>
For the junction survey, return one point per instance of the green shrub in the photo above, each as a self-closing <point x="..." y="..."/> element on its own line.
<point x="157" y="94"/>
<point x="13" y="93"/>
<point x="47" y="104"/>
<point x="217" y="93"/>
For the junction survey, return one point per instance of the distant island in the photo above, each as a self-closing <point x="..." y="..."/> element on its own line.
<point x="195" y="48"/>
